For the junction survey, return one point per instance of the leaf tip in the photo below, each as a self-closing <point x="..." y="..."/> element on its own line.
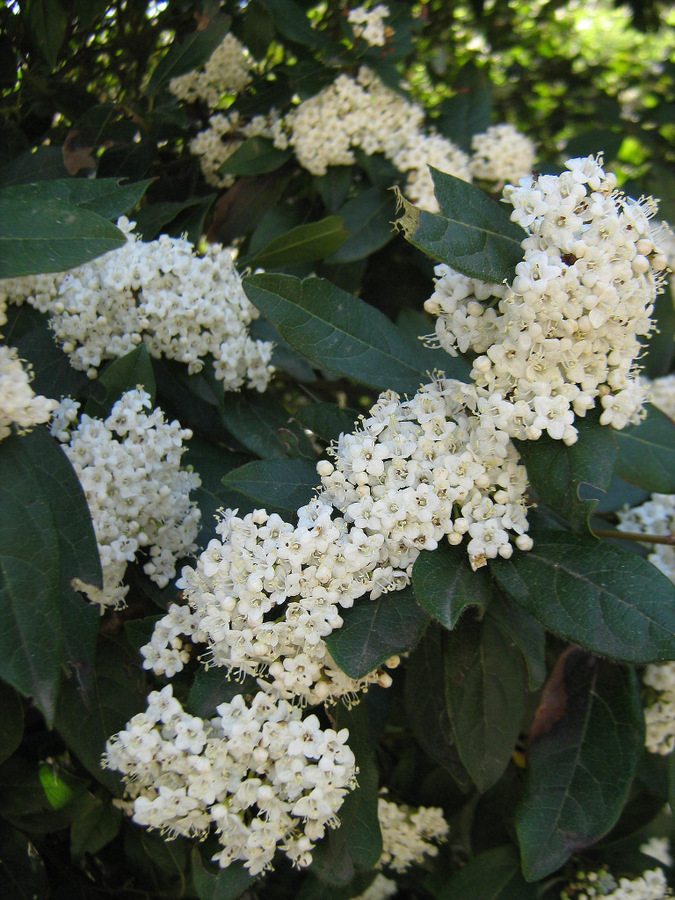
<point x="410" y="219"/>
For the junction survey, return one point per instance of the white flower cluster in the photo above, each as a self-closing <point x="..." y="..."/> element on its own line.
<point x="565" y="333"/>
<point x="225" y="134"/>
<point x="260" y="774"/>
<point x="19" y="405"/>
<point x="138" y="495"/>
<point x="369" y="24"/>
<point x="651" y="885"/>
<point x="501" y="155"/>
<point x="660" y="710"/>
<point x="659" y="849"/>
<point x="662" y="394"/>
<point x="362" y="112"/>
<point x="408" y="834"/>
<point x="266" y="593"/>
<point x="183" y="305"/>
<point x="227" y="71"/>
<point x="657" y="517"/>
<point x="380" y="889"/>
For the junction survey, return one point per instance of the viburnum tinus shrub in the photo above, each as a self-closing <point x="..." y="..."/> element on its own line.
<point x="355" y="570"/>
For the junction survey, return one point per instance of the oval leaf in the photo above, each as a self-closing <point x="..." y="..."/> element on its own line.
<point x="305" y="243"/>
<point x="445" y="585"/>
<point x="584" y="749"/>
<point x="374" y="630"/>
<point x="472" y="233"/>
<point x="598" y="595"/>
<point x="280" y="484"/>
<point x="130" y="371"/>
<point x="194" y="51"/>
<point x="647" y="453"/>
<point x="327" y="420"/>
<point x="256" y="156"/>
<point x="493" y="875"/>
<point x="338" y="331"/>
<point x="367" y="218"/>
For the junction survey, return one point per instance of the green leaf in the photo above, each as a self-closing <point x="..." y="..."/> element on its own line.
<point x="174" y="218"/>
<point x="525" y="632"/>
<point x="305" y="243"/>
<point x="47" y="21"/>
<point x="492" y="875"/>
<point x="417" y="327"/>
<point x="327" y="420"/>
<point x="338" y="331"/>
<point x="191" y="53"/>
<point x="425" y="707"/>
<point x="368" y="219"/>
<point x="485" y="686"/>
<point x="469" y="112"/>
<point x="598" y="595"/>
<point x="445" y="585"/>
<point x="334" y="186"/>
<point x="556" y="472"/>
<point x="103" y="196"/>
<point x="264" y="426"/>
<point x="37" y="164"/>
<point x="374" y="630"/>
<point x="255" y="156"/>
<point x="282" y="485"/>
<point x="130" y="371"/>
<point x="11" y="721"/>
<point x="42" y="505"/>
<point x="291" y="21"/>
<point x="585" y="744"/>
<point x="647" y="453"/>
<point x="211" y="461"/>
<point x="214" y="686"/>
<point x="227" y="884"/>
<point x="120" y="689"/>
<point x="22" y="871"/>
<point x="50" y="236"/>
<point x="473" y="233"/>
<point x="94" y="828"/>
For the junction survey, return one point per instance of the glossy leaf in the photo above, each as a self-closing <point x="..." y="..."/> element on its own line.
<point x="51" y="236"/>
<point x="130" y="371"/>
<point x="417" y="326"/>
<point x="338" y="331"/>
<point x="225" y="884"/>
<point x="264" y="426"/>
<point x="485" y="687"/>
<point x="283" y="485"/>
<point x="525" y="632"/>
<point x="327" y="420"/>
<point x="97" y="825"/>
<point x="104" y="196"/>
<point x="334" y="186"/>
<point x="472" y="233"/>
<point x="647" y="453"/>
<point x="255" y="156"/>
<point x="214" y="686"/>
<point x="445" y="584"/>
<point x="556" y="471"/>
<point x="211" y="462"/>
<point x="492" y="875"/>
<point x="191" y="53"/>
<point x="585" y="744"/>
<point x="36" y="164"/>
<point x="598" y="595"/>
<point x="42" y="506"/>
<point x="374" y="630"/>
<point x="368" y="219"/>
<point x="305" y="243"/>
<point x="424" y="694"/>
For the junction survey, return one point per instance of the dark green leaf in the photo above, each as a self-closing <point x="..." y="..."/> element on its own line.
<point x="169" y="218"/>
<point x="305" y="243"/>
<point x="585" y="745"/>
<point x="327" y="420"/>
<point x="334" y="186"/>
<point x="51" y="236"/>
<point x="525" y="632"/>
<point x="619" y="494"/>
<point x="426" y="709"/>
<point x="596" y="594"/>
<point x="120" y="689"/>
<point x="445" y="585"/>
<point x="53" y="374"/>
<point x="493" y="875"/>
<point x="264" y="426"/>
<point x="374" y="630"/>
<point x="556" y="471"/>
<point x="255" y="156"/>
<point x="647" y="453"/>
<point x="469" y="112"/>
<point x="485" y="686"/>
<point x="214" y="686"/>
<point x="659" y="352"/>
<point x="42" y="505"/>
<point x="38" y="164"/>
<point x="211" y="462"/>
<point x="338" y="331"/>
<point x="368" y="219"/>
<point x="191" y="53"/>
<point x="226" y="884"/>
<point x="473" y="233"/>
<point x="124" y="374"/>
<point x="103" y="196"/>
<point x="94" y="828"/>
<point x="11" y="721"/>
<point x="22" y="871"/>
<point x="587" y="143"/>
<point x="47" y="21"/>
<point x="418" y="328"/>
<point x="292" y="22"/>
<point x="282" y="485"/>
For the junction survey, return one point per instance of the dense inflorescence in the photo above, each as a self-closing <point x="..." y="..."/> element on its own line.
<point x="181" y="304"/>
<point x="258" y="773"/>
<point x="20" y="406"/>
<point x="227" y="71"/>
<point x="409" y="835"/>
<point x="651" y="885"/>
<point x="565" y="335"/>
<point x="138" y="494"/>
<point x="369" y="24"/>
